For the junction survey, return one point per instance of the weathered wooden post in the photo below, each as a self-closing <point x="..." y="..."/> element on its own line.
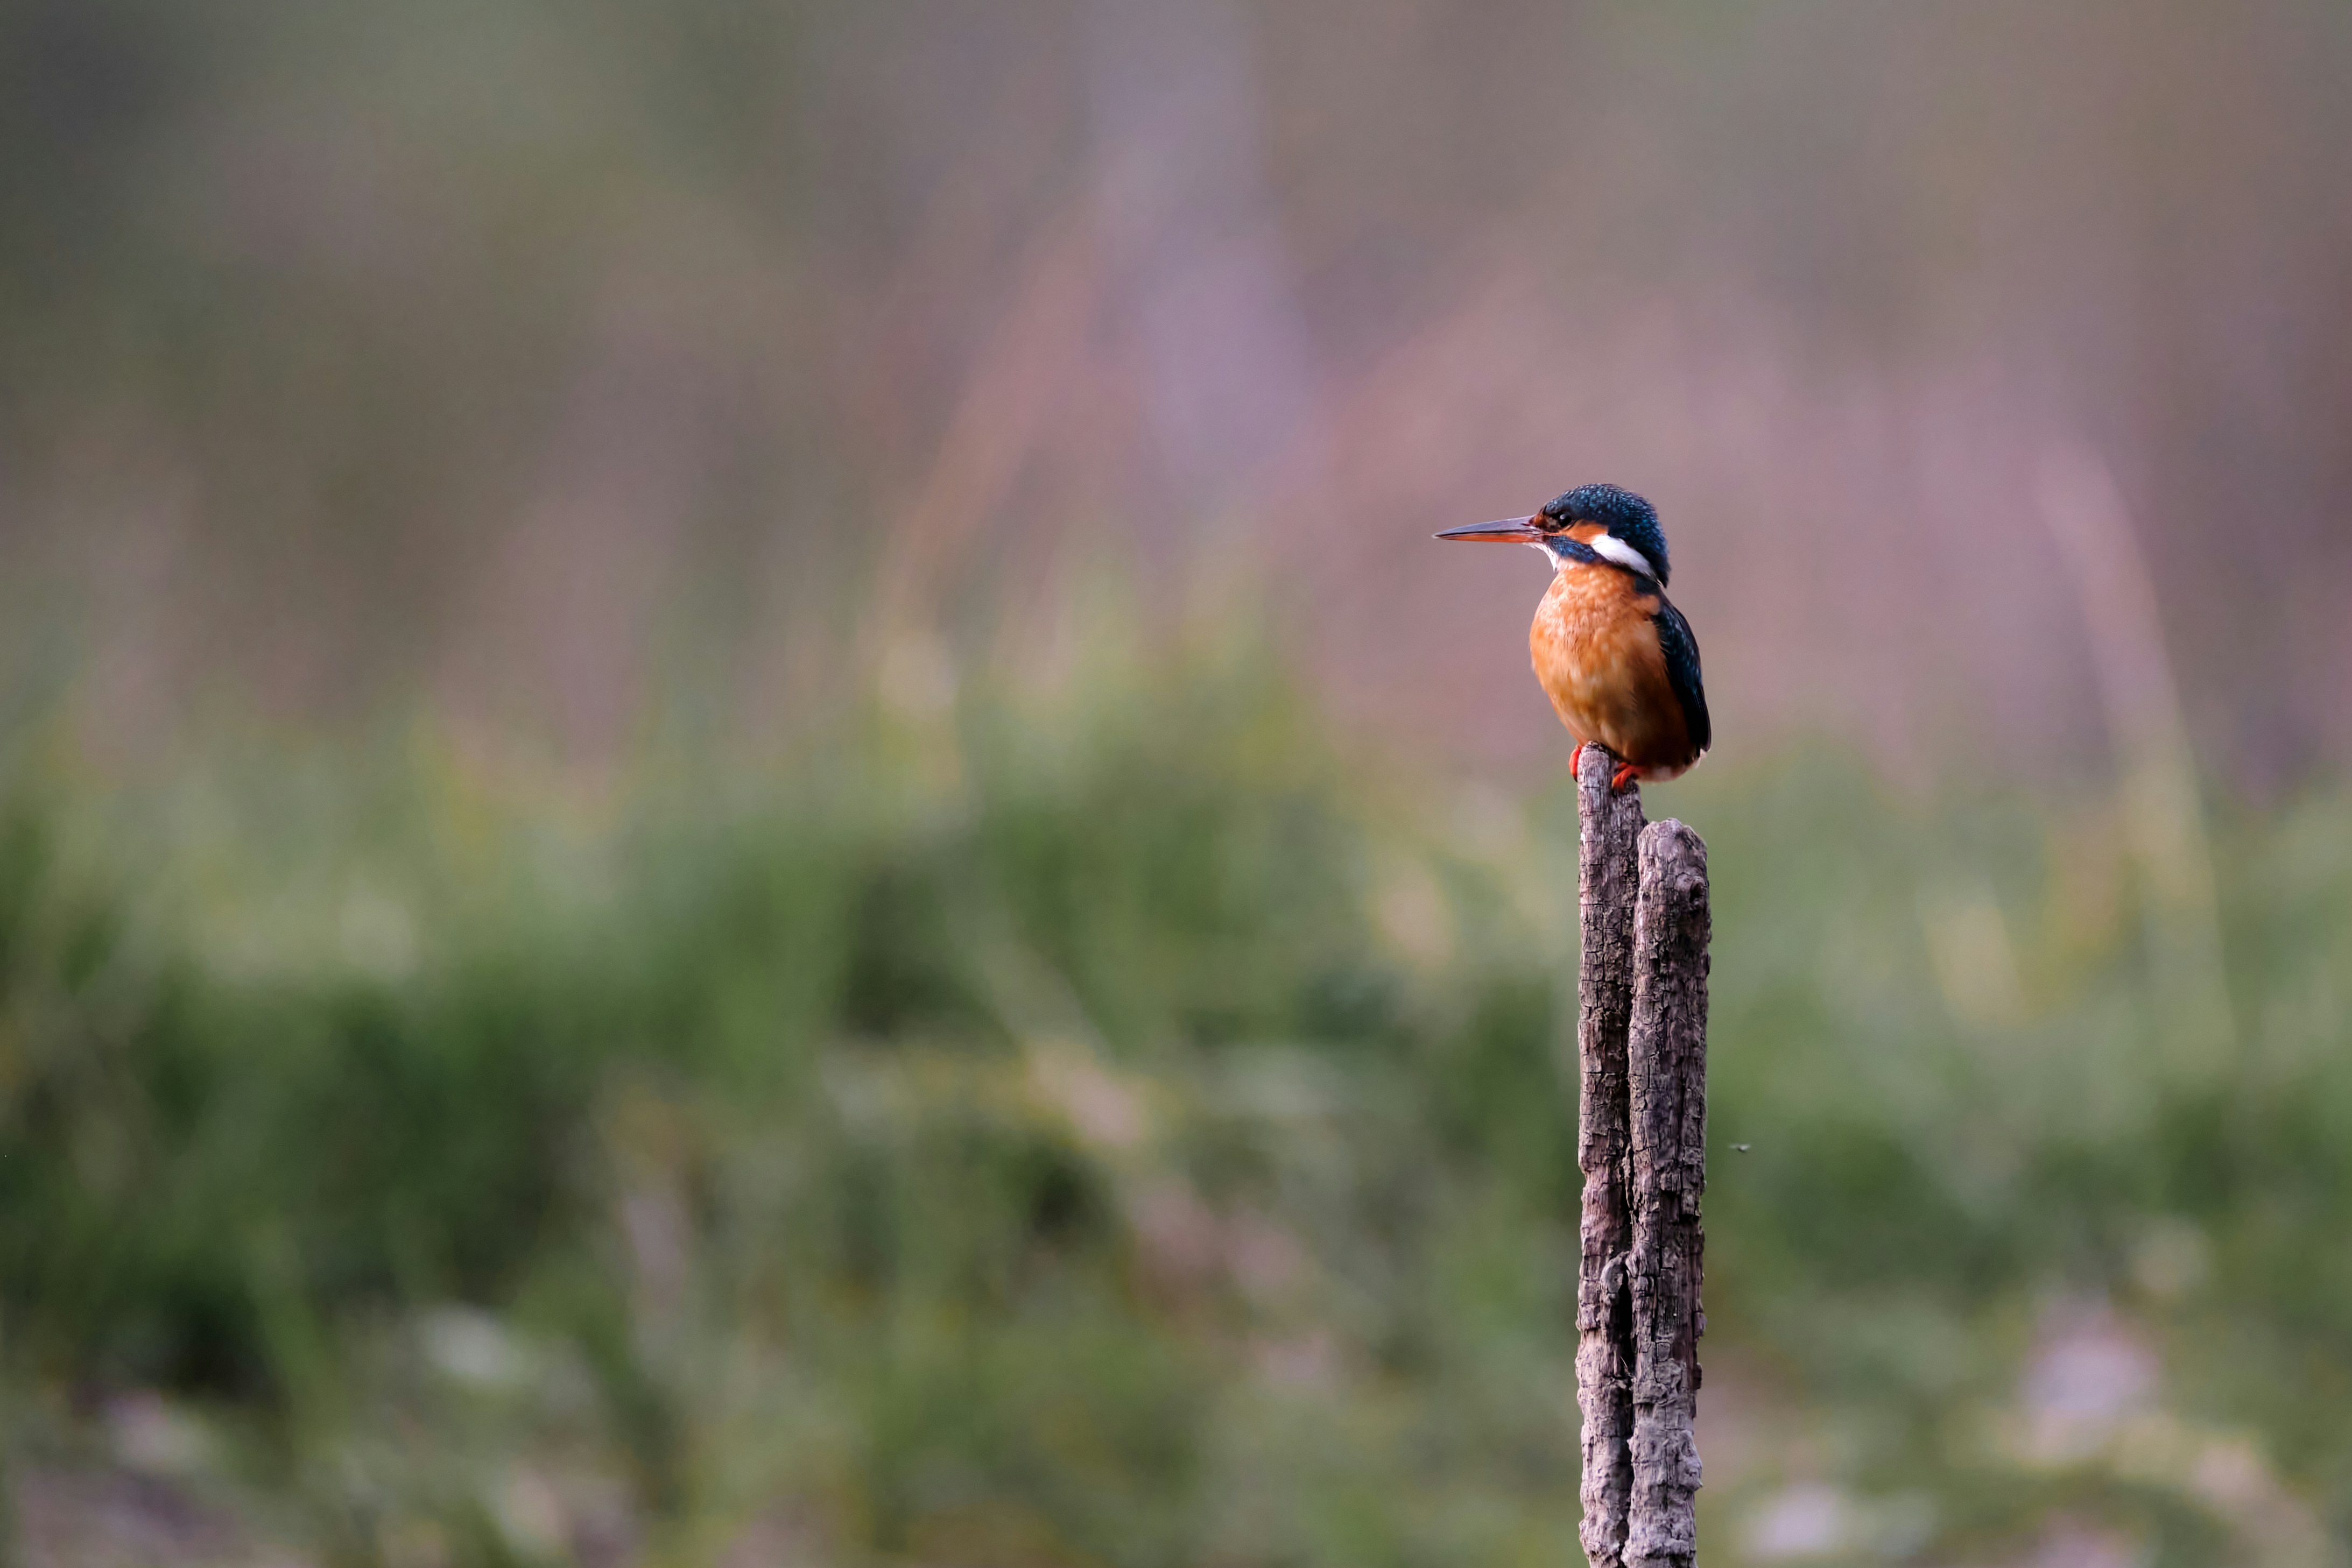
<point x="1666" y="1084"/>
<point x="1641" y="1145"/>
<point x="1610" y="826"/>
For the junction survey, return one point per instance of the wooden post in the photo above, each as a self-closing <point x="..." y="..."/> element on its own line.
<point x="1641" y="1143"/>
<point x="1611" y="825"/>
<point x="1666" y="1080"/>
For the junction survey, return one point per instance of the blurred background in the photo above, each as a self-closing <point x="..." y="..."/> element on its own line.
<point x="741" y="820"/>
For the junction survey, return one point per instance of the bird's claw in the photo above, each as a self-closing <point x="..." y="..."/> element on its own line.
<point x="1617" y="784"/>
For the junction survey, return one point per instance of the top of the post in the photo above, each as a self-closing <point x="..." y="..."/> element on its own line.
<point x="1615" y="814"/>
<point x="1671" y="843"/>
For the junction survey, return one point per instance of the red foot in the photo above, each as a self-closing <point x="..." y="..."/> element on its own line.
<point x="1575" y="759"/>
<point x="1624" y="774"/>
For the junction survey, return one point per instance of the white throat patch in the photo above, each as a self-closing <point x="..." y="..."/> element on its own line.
<point x="1609" y="547"/>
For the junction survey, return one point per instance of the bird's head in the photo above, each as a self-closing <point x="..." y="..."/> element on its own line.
<point x="1614" y="524"/>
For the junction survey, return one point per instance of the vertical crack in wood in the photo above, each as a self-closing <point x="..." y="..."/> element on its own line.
<point x="1666" y="1086"/>
<point x="1609" y="825"/>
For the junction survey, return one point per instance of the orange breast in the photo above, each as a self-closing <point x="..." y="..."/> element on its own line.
<point x="1596" y="652"/>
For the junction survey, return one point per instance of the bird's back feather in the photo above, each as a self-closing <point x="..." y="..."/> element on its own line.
<point x="1680" y="648"/>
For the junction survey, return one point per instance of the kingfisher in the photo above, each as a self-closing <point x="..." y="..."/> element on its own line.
<point x="1614" y="655"/>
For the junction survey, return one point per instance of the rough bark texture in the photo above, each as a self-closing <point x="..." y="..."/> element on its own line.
<point x="1666" y="1067"/>
<point x="1611" y="825"/>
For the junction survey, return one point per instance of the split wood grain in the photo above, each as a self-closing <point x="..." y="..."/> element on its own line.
<point x="1666" y="1087"/>
<point x="1609" y="825"/>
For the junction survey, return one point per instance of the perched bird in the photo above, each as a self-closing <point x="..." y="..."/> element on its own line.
<point x="1617" y="660"/>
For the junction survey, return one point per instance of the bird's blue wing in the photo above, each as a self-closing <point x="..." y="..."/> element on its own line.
<point x="1681" y="649"/>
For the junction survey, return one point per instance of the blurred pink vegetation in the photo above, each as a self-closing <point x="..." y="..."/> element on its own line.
<point x="1237" y="305"/>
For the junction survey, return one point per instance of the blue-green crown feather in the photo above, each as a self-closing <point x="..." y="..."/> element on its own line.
<point x="1626" y="516"/>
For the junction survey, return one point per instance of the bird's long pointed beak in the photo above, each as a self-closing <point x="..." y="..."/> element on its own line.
<point x="1504" y="530"/>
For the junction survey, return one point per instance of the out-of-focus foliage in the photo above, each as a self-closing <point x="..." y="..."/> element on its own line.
<point x="1105" y="1130"/>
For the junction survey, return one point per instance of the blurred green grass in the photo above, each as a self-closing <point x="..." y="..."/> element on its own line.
<point x="1126" y="1127"/>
